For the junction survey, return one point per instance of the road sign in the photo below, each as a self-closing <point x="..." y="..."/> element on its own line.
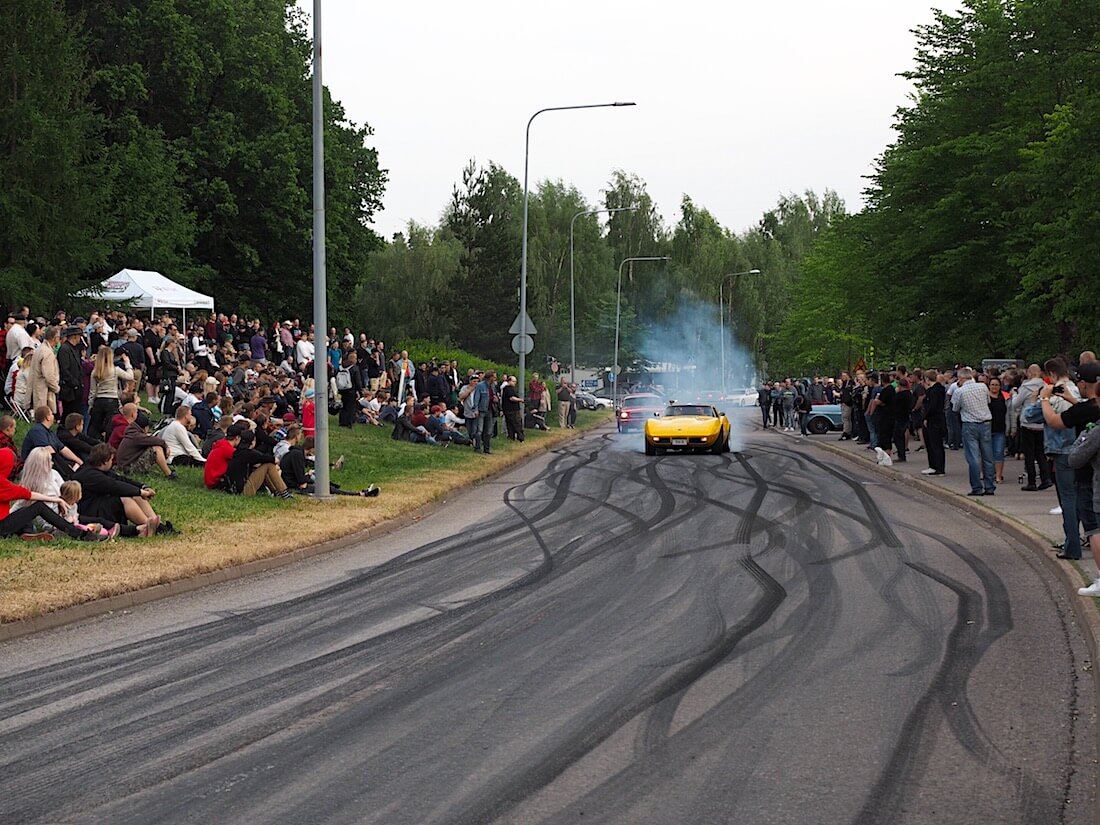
<point x="528" y="330"/>
<point x="522" y="344"/>
<point x="590" y="383"/>
<point x="617" y="369"/>
<point x="611" y="378"/>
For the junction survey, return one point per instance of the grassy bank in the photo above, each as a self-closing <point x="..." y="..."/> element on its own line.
<point x="221" y="530"/>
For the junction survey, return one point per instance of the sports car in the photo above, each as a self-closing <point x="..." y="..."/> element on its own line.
<point x="688" y="427"/>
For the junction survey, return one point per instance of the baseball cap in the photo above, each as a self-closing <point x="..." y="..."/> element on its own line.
<point x="1089" y="372"/>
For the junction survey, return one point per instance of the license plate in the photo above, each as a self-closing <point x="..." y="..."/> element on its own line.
<point x="679" y="442"/>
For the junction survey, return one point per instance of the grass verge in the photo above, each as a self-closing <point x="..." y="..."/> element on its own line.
<point x="221" y="530"/>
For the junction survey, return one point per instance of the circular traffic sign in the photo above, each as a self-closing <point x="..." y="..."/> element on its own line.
<point x="523" y="344"/>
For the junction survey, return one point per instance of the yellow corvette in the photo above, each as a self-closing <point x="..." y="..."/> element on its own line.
<point x="687" y="427"/>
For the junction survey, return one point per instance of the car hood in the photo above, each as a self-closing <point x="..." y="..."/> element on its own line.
<point x="683" y="424"/>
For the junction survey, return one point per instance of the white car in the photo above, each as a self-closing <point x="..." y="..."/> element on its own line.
<point x="747" y="397"/>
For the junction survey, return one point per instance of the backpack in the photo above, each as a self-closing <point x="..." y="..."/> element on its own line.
<point x="343" y="379"/>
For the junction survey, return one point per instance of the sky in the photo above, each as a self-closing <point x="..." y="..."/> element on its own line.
<point x="738" y="103"/>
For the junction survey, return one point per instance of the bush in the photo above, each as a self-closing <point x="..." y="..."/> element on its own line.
<point x="421" y="351"/>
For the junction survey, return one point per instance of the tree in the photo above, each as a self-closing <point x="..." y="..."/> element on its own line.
<point x="51" y="166"/>
<point x="406" y="289"/>
<point x="484" y="216"/>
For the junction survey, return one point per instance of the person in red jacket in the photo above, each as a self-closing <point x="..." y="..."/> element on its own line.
<point x="17" y="523"/>
<point x="213" y="472"/>
<point x="118" y="429"/>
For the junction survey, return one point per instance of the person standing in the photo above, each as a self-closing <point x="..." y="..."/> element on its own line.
<point x="971" y="401"/>
<point x="511" y="403"/>
<point x="1063" y="417"/>
<point x="998" y="406"/>
<point x="564" y="404"/>
<point x="1031" y="433"/>
<point x="43" y="375"/>
<point x="349" y="383"/>
<point x="934" y="429"/>
<point x="847" y="387"/>
<point x="70" y="371"/>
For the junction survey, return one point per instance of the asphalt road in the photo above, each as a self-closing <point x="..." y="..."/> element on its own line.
<point x="600" y="637"/>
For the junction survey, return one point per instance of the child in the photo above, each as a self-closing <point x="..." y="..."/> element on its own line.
<point x="70" y="494"/>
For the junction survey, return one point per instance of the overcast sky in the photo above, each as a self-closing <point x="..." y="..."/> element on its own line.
<point x="738" y="102"/>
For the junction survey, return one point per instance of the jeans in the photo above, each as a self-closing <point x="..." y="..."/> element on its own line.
<point x="474" y="428"/>
<point x="977" y="440"/>
<point x="998" y="447"/>
<point x="872" y="430"/>
<point x="765" y="410"/>
<point x="954" y="429"/>
<point x="803" y="420"/>
<point x="1066" y="481"/>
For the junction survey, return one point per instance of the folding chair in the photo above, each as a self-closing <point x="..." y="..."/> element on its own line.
<point x="13" y="405"/>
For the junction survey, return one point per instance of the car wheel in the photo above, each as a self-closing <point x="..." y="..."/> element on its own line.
<point x="818" y="426"/>
<point x="649" y="448"/>
<point x="717" y="448"/>
<point x="726" y="444"/>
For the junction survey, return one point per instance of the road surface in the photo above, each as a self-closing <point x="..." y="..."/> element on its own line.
<point x="601" y="637"/>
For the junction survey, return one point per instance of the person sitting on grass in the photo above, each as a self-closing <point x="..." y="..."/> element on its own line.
<point x="441" y="430"/>
<point x="20" y="521"/>
<point x="250" y="470"/>
<point x="39" y="476"/>
<point x="7" y="441"/>
<point x="40" y="435"/>
<point x="107" y="496"/>
<point x="181" y="448"/>
<point x="216" y="434"/>
<point x="299" y="478"/>
<point x="73" y="437"/>
<point x="534" y="419"/>
<point x="290" y="438"/>
<point x="71" y="493"/>
<point x="204" y="414"/>
<point x="138" y="451"/>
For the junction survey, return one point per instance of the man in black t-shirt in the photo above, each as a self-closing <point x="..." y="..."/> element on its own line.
<point x="1078" y="417"/>
<point x="511" y="403"/>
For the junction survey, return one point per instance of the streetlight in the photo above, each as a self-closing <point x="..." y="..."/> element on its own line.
<point x="572" y="296"/>
<point x="722" y="316"/>
<point x="320" y="288"/>
<point x="523" y="261"/>
<point x="618" y="307"/>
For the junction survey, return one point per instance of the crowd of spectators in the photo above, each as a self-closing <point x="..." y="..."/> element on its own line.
<point x="1043" y="415"/>
<point x="116" y="399"/>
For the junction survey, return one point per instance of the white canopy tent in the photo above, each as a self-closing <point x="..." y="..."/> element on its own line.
<point x="143" y="289"/>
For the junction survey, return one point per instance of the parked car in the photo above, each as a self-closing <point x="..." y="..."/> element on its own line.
<point x="824" y="417"/>
<point x="588" y="401"/>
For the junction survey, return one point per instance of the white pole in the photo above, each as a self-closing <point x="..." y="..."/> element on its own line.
<point x="320" y="287"/>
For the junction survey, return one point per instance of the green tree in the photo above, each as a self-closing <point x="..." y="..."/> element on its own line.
<point x="485" y="216"/>
<point x="51" y="166"/>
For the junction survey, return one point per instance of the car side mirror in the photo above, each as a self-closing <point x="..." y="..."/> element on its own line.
<point x="721" y="412"/>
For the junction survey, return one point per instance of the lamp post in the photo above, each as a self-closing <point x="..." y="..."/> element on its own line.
<point x="523" y="259"/>
<point x="320" y="288"/>
<point x="618" y="311"/>
<point x="572" y="293"/>
<point x="722" y="316"/>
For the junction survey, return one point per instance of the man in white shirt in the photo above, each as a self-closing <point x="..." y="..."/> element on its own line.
<point x="177" y="436"/>
<point x="18" y="337"/>
<point x="304" y="352"/>
<point x="971" y="401"/>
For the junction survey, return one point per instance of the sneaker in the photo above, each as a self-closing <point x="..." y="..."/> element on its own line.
<point x="338" y="464"/>
<point x="114" y="531"/>
<point x="1029" y="488"/>
<point x="1046" y="485"/>
<point x="927" y="471"/>
<point x="1092" y="590"/>
<point x="150" y="527"/>
<point x="172" y="476"/>
<point x="88" y="535"/>
<point x="37" y="536"/>
<point x="1055" y="511"/>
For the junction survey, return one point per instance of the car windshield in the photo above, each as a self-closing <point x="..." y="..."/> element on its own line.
<point x="634" y="403"/>
<point x="689" y="409"/>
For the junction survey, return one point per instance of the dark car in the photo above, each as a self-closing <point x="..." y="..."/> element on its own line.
<point x="635" y="409"/>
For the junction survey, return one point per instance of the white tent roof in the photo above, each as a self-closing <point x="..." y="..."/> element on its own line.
<point x="148" y="290"/>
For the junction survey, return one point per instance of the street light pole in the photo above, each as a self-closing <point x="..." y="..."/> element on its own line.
<point x="572" y="293"/>
<point x="618" y="310"/>
<point x="320" y="287"/>
<point x="523" y="259"/>
<point x="722" y="316"/>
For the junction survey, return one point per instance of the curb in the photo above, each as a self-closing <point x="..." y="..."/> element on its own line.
<point x="144" y="595"/>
